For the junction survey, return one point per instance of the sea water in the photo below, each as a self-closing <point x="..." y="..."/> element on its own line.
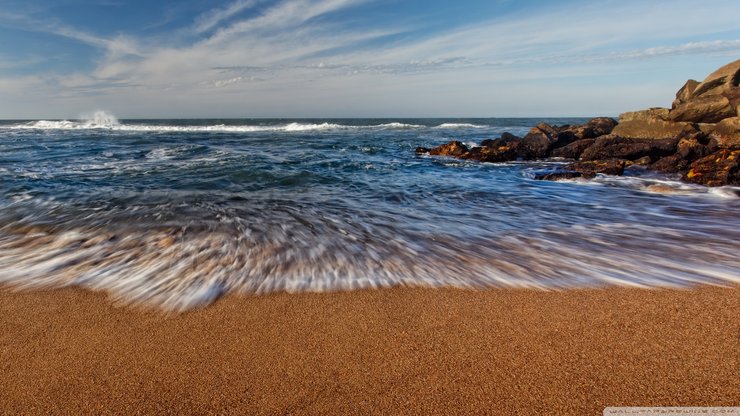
<point x="176" y="213"/>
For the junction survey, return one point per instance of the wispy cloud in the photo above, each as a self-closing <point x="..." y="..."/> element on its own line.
<point x="285" y="51"/>
<point x="212" y="18"/>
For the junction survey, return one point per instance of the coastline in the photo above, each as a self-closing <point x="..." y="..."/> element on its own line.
<point x="400" y="350"/>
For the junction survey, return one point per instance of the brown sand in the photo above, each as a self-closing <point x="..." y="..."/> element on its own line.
<point x="395" y="351"/>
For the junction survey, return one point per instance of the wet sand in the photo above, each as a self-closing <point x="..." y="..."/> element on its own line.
<point x="394" y="351"/>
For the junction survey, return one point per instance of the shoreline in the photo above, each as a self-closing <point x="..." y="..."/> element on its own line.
<point x="398" y="350"/>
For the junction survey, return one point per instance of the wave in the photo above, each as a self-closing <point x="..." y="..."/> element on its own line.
<point x="100" y="122"/>
<point x="85" y="125"/>
<point x="178" y="269"/>
<point x="460" y="126"/>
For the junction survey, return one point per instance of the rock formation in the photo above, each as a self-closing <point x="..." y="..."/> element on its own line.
<point x="698" y="137"/>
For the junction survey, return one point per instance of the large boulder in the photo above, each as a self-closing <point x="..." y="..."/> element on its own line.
<point x="541" y="139"/>
<point x="614" y="146"/>
<point x="706" y="109"/>
<point x="573" y="150"/>
<point x="595" y="127"/>
<point x="727" y="133"/>
<point x="719" y="81"/>
<point x="684" y="94"/>
<point x="652" y="128"/>
<point x="718" y="169"/>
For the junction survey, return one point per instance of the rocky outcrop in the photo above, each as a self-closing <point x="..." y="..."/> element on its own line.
<point x="453" y="148"/>
<point x="708" y="109"/>
<point x="651" y="128"/>
<point x="719" y="81"/>
<point x="573" y="150"/>
<point x="685" y="92"/>
<point x="721" y="168"/>
<point x="698" y="137"/>
<point x="614" y="146"/>
<point x="727" y="133"/>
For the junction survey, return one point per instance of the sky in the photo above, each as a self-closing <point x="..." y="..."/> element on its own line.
<point x="355" y="58"/>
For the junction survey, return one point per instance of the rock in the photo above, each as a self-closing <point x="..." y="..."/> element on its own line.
<point x="684" y="94"/>
<point x="649" y="114"/>
<point x="727" y="133"/>
<point x="573" y="150"/>
<point x="589" y="169"/>
<point x="453" y="148"/>
<point x="422" y="150"/>
<point x="733" y="95"/>
<point x="652" y="128"/>
<point x="506" y="139"/>
<point x="671" y="164"/>
<point x="542" y="138"/>
<point x="706" y="128"/>
<point x="613" y="146"/>
<point x="720" y="80"/>
<point x="708" y="109"/>
<point x="493" y="154"/>
<point x="695" y="146"/>
<point x="718" y="169"/>
<point x="558" y="175"/>
<point x="643" y="161"/>
<point x="595" y="127"/>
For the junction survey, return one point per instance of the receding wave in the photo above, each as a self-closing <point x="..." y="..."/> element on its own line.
<point x="180" y="267"/>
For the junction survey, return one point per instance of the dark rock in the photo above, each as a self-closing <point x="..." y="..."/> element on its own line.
<point x="558" y="175"/>
<point x="671" y="164"/>
<point x="684" y="94"/>
<point x="589" y="169"/>
<point x="707" y="109"/>
<point x="453" y="148"/>
<point x="542" y="139"/>
<point x="506" y="139"/>
<point x="573" y="150"/>
<point x="593" y="128"/>
<point x="422" y="150"/>
<point x="695" y="146"/>
<point x="727" y="133"/>
<point x="613" y="146"/>
<point x="718" y="169"/>
<point x="600" y="126"/>
<point x="652" y="128"/>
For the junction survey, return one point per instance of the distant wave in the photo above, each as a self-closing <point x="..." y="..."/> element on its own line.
<point x="101" y="124"/>
<point x="460" y="126"/>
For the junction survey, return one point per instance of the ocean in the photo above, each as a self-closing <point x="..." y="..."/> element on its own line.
<point x="176" y="213"/>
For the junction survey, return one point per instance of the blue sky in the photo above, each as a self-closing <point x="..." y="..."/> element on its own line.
<point x="355" y="58"/>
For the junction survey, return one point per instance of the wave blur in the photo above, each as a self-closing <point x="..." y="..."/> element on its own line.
<point x="177" y="213"/>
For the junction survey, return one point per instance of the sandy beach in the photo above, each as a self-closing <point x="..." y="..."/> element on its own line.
<point x="395" y="351"/>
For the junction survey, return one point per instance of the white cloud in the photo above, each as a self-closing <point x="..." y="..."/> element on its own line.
<point x="287" y="57"/>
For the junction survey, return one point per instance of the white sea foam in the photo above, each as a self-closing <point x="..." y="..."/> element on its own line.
<point x="460" y="126"/>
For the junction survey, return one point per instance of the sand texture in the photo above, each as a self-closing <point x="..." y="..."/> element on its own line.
<point x="394" y="351"/>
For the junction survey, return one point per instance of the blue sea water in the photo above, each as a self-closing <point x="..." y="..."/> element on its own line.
<point x="176" y="213"/>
